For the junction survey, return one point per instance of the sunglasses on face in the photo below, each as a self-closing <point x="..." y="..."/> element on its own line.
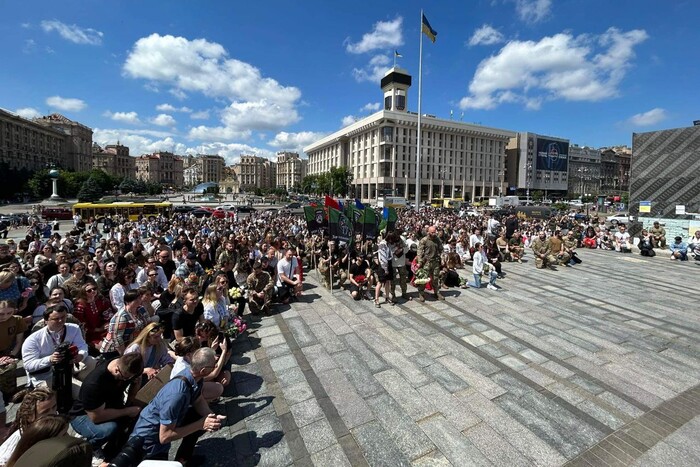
<point x="91" y="290"/>
<point x="152" y="275"/>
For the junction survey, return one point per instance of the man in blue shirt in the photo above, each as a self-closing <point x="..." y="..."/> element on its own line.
<point x="179" y="412"/>
<point x="679" y="249"/>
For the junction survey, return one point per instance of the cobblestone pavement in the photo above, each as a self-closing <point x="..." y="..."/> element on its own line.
<point x="593" y="365"/>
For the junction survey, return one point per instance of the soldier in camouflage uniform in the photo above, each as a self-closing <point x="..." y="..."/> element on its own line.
<point x="260" y="288"/>
<point x="429" y="252"/>
<point x="541" y="248"/>
<point x="570" y="244"/>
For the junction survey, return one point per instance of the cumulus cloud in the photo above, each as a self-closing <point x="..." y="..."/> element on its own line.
<point x="374" y="71"/>
<point x="384" y="35"/>
<point x="200" y="115"/>
<point x="66" y="104"/>
<point x="139" y="141"/>
<point x="231" y="152"/>
<point x="163" y="120"/>
<point x="295" y="141"/>
<point x="73" y="33"/>
<point x="486" y="35"/>
<point x="371" y="107"/>
<point x="348" y="120"/>
<point x="651" y="117"/>
<point x="258" y="103"/>
<point x="125" y="117"/>
<point x="171" y="108"/>
<point x="28" y="112"/>
<point x="583" y="68"/>
<point x="533" y="11"/>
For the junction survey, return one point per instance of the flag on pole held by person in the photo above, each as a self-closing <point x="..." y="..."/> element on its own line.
<point x="427" y="30"/>
<point x="331" y="203"/>
<point x="369" y="222"/>
<point x="389" y="217"/>
<point x="316" y="219"/>
<point x="359" y="205"/>
<point x="339" y="226"/>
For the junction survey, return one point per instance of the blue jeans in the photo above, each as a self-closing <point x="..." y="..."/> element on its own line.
<point x="96" y="434"/>
<point x="477" y="281"/>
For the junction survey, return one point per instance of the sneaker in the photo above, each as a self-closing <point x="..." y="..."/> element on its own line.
<point x="492" y="287"/>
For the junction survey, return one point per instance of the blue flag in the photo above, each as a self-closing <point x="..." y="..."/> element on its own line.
<point x="358" y="204"/>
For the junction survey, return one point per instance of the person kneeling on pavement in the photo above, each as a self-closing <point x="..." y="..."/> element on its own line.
<point x="178" y="411"/>
<point x="679" y="249"/>
<point x="100" y="414"/>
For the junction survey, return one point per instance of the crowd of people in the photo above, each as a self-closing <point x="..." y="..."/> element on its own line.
<point x="125" y="328"/>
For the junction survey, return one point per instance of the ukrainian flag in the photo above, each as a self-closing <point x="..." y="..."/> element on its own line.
<point x="427" y="30"/>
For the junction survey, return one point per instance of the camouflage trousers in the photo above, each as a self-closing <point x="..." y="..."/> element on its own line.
<point x="435" y="273"/>
<point x="402" y="279"/>
<point x="549" y="260"/>
<point x="339" y="274"/>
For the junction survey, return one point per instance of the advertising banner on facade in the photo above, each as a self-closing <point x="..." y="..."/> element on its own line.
<point x="552" y="155"/>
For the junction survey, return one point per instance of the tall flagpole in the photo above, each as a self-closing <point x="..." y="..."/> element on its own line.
<point x="420" y="90"/>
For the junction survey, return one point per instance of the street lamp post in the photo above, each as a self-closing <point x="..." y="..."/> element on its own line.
<point x="528" y="177"/>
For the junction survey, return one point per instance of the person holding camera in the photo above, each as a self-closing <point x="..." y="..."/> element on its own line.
<point x="178" y="411"/>
<point x="41" y="353"/>
<point x="100" y="414"/>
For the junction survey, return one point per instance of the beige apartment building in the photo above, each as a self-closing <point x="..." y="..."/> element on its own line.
<point x="160" y="167"/>
<point x="256" y="172"/>
<point x="291" y="169"/>
<point x="25" y="144"/>
<point x="78" y="147"/>
<point x="114" y="159"/>
<point x="203" y="168"/>
<point x="458" y="160"/>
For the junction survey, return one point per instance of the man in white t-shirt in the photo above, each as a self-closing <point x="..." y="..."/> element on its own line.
<point x="622" y="240"/>
<point x="288" y="282"/>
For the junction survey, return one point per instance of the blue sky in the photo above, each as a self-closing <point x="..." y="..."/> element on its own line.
<point x="232" y="77"/>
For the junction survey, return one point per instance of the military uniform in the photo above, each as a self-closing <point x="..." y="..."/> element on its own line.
<point x="256" y="284"/>
<point x="542" y="247"/>
<point x="561" y="256"/>
<point x="570" y="244"/>
<point x="658" y="234"/>
<point x="429" y="254"/>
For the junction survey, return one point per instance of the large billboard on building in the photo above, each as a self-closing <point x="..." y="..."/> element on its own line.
<point x="552" y="155"/>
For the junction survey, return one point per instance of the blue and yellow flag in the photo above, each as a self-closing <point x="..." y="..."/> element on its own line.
<point x="427" y="30"/>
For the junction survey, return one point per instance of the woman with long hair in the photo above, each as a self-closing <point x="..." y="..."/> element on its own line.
<point x="33" y="403"/>
<point x="210" y="336"/>
<point x="184" y="349"/>
<point x="150" y="344"/>
<point x="125" y="282"/>
<point x="77" y="280"/>
<point x="108" y="278"/>
<point x="56" y="295"/>
<point x="216" y="305"/>
<point x="94" y="312"/>
<point x="93" y="269"/>
<point x="45" y="427"/>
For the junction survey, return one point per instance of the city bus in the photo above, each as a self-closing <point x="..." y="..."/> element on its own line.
<point x="446" y="203"/>
<point x="127" y="209"/>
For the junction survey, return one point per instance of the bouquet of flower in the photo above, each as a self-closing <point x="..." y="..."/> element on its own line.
<point x="421" y="277"/>
<point x="235" y="293"/>
<point x="192" y="280"/>
<point x="236" y="327"/>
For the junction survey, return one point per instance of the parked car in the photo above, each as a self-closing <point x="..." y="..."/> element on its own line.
<point x="221" y="213"/>
<point x="184" y="208"/>
<point x="620" y="219"/>
<point x="57" y="213"/>
<point x="201" y="212"/>
<point x="293" y="206"/>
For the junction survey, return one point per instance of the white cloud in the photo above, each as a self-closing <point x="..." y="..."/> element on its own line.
<point x="486" y="35"/>
<point x="384" y="35"/>
<point x="200" y="115"/>
<point x="125" y="117"/>
<point x="375" y="69"/>
<point x="257" y="103"/>
<point x="652" y="117"/>
<point x="73" y="33"/>
<point x="348" y="120"/>
<point x="231" y="152"/>
<point x="66" y="104"/>
<point x="163" y="120"/>
<point x="583" y="68"/>
<point x="371" y="107"/>
<point x="28" y="112"/>
<point x="139" y="141"/>
<point x="533" y="11"/>
<point x="170" y="108"/>
<point x="29" y="46"/>
<point x="240" y="119"/>
<point x="295" y="141"/>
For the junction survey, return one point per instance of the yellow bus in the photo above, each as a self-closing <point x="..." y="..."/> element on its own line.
<point x="446" y="203"/>
<point x="127" y="209"/>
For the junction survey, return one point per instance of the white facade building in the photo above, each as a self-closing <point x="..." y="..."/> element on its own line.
<point x="457" y="159"/>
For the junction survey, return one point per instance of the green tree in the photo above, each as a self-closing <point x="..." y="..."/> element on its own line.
<point x="341" y="177"/>
<point x="308" y="184"/>
<point x="90" y="191"/>
<point x="129" y="185"/>
<point x="537" y="195"/>
<point x="40" y="184"/>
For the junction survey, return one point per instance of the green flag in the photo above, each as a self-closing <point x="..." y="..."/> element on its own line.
<point x="389" y="218"/>
<point x="339" y="225"/>
<point x="316" y="220"/>
<point x="369" y="222"/>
